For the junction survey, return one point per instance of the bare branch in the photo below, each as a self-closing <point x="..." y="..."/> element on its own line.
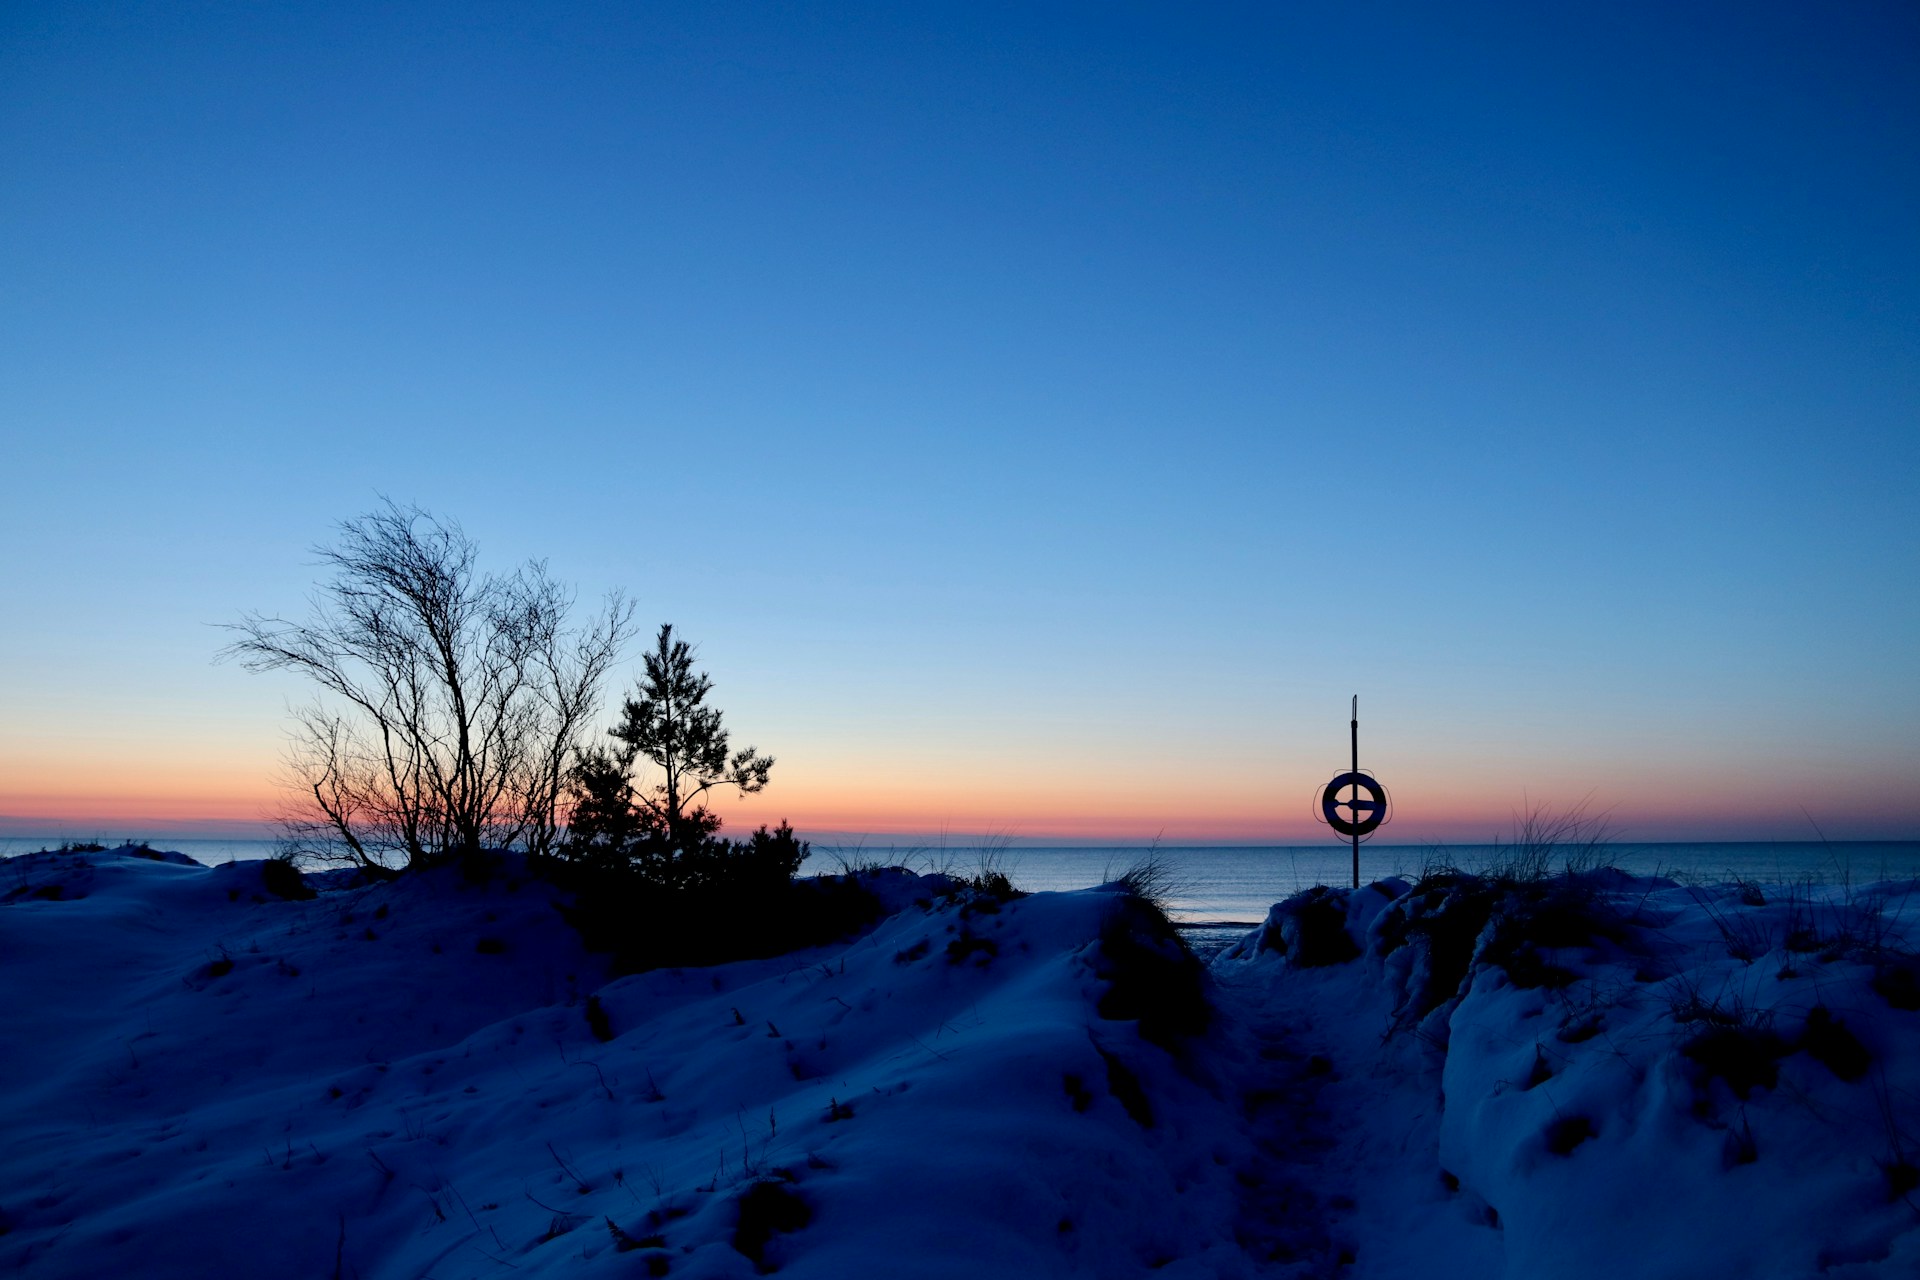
<point x="452" y="703"/>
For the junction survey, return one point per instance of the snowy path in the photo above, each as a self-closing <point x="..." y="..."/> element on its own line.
<point x="1294" y="1198"/>
<point x="1346" y="1177"/>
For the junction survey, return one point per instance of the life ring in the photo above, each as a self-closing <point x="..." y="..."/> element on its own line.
<point x="1369" y="811"/>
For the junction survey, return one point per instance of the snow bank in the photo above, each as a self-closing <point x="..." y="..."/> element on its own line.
<point x="1609" y="1076"/>
<point x="205" y="1073"/>
<point x="430" y="1077"/>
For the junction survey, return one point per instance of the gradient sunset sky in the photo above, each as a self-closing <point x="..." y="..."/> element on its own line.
<point x="1042" y="417"/>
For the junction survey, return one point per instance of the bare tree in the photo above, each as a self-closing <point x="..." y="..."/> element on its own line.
<point x="452" y="703"/>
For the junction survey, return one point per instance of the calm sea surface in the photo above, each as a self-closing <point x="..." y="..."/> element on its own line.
<point x="1217" y="885"/>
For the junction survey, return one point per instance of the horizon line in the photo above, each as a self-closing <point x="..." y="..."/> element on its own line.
<point x="26" y="829"/>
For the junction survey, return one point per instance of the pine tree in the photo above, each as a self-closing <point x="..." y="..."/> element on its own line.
<point x="669" y="723"/>
<point x="663" y="831"/>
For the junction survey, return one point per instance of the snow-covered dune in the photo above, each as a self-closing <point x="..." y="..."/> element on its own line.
<point x="1607" y="1076"/>
<point x="403" y="1079"/>
<point x="430" y="1077"/>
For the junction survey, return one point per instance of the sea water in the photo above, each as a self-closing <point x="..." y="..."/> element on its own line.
<point x="1219" y="886"/>
<point x="1237" y="884"/>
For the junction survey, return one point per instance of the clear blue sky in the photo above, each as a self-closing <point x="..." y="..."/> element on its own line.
<point x="1043" y="417"/>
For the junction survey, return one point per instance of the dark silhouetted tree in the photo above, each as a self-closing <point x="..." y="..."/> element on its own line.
<point x="452" y="703"/>
<point x="667" y="721"/>
<point x="656" y="883"/>
<point x="665" y="830"/>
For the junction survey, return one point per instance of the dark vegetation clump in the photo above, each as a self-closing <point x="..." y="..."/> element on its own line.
<point x="1898" y="982"/>
<point x="1542" y="916"/>
<point x="1741" y="1146"/>
<point x="655" y="883"/>
<point x="645" y="926"/>
<point x="766" y="1207"/>
<point x="1459" y="921"/>
<point x="1527" y="969"/>
<point x="1827" y="1040"/>
<point x="991" y="884"/>
<point x="1746" y="1057"/>
<point x="1541" y="891"/>
<point x="1152" y="975"/>
<point x="597" y="1020"/>
<point x="1152" y="878"/>
<point x="623" y="1240"/>
<point x="984" y="890"/>
<point x="283" y="880"/>
<point x="1312" y="929"/>
<point x="1566" y="1133"/>
<point x="1442" y="916"/>
<point x="968" y="944"/>
<point x="1127" y="1090"/>
<point x="1739" y="1044"/>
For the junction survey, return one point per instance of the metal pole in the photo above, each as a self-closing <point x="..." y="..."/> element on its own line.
<point x="1355" y="726"/>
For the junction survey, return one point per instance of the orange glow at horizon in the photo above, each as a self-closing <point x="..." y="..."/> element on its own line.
<point x="222" y="788"/>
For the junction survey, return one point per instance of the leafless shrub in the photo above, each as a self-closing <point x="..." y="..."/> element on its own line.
<point x="1867" y="924"/>
<point x="1152" y="877"/>
<point x="856" y="859"/>
<point x="1437" y="860"/>
<point x="993" y="866"/>
<point x="1747" y="936"/>
<point x="451" y="703"/>
<point x="993" y="870"/>
<point x="1578" y="838"/>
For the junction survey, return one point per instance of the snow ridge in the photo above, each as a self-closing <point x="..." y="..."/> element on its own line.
<point x="1604" y="1075"/>
<point x="402" y="1079"/>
